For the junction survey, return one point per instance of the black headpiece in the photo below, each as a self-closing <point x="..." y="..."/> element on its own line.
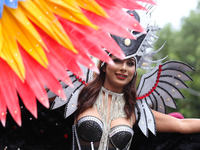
<point x="138" y="48"/>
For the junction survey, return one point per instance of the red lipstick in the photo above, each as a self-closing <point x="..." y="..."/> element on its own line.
<point x="121" y="76"/>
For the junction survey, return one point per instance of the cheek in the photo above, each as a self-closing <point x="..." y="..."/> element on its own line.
<point x="132" y="71"/>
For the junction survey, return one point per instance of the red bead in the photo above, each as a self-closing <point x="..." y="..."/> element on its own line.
<point x="83" y="82"/>
<point x="131" y="14"/>
<point x="77" y="77"/>
<point x="80" y="79"/>
<point x="65" y="135"/>
<point x="160" y="66"/>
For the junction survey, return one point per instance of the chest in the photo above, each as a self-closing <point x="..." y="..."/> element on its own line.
<point x="91" y="129"/>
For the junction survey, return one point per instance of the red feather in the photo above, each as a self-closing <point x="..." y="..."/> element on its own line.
<point x="3" y="110"/>
<point x="8" y="92"/>
<point x="98" y="37"/>
<point x="82" y="41"/>
<point x="26" y="95"/>
<point x="124" y="19"/>
<point x="37" y="77"/>
<point x="109" y="25"/>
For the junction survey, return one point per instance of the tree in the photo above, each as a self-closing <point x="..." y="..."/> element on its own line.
<point x="184" y="45"/>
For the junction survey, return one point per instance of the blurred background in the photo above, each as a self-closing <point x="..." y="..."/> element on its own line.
<point x="180" y="23"/>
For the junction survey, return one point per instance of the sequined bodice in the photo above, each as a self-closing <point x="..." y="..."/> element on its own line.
<point x="90" y="129"/>
<point x="93" y="133"/>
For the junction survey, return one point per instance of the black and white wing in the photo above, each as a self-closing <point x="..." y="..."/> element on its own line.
<point x="71" y="93"/>
<point x="157" y="89"/>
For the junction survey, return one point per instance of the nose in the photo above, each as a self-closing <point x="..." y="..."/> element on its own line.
<point x="123" y="67"/>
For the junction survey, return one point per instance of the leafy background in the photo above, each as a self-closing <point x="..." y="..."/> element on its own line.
<point x="183" y="44"/>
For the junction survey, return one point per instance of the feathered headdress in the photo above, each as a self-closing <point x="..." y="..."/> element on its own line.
<point x="40" y="39"/>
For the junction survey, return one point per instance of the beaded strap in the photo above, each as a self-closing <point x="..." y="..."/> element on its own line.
<point x="87" y="118"/>
<point x="77" y="140"/>
<point x="121" y="128"/>
<point x="116" y="111"/>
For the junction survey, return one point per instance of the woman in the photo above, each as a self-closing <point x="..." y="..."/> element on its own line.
<point x="105" y="96"/>
<point x="108" y="106"/>
<point x="105" y="114"/>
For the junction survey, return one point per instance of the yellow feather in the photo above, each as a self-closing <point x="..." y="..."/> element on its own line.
<point x="93" y="6"/>
<point x="25" y="38"/>
<point x="47" y="24"/>
<point x="66" y="11"/>
<point x="17" y="28"/>
<point x="11" y="54"/>
<point x="23" y="21"/>
<point x="69" y="4"/>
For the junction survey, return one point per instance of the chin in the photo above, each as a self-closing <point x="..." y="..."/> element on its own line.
<point x="120" y="85"/>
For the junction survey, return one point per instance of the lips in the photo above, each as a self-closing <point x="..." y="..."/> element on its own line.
<point x="121" y="76"/>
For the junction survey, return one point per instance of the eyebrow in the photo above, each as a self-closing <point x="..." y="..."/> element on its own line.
<point x="132" y="59"/>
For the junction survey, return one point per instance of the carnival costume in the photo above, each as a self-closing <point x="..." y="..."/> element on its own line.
<point x="157" y="89"/>
<point x="40" y="39"/>
<point x="34" y="51"/>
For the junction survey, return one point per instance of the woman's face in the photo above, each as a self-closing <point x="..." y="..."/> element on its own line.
<point x="119" y="74"/>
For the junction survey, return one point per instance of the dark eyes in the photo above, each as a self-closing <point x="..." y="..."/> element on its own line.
<point x="131" y="63"/>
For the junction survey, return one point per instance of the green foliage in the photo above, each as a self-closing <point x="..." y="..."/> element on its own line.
<point x="184" y="45"/>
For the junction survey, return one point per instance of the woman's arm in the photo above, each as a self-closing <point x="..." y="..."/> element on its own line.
<point x="166" y="123"/>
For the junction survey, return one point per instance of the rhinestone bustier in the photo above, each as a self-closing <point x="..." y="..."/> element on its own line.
<point x="90" y="129"/>
<point x="120" y="136"/>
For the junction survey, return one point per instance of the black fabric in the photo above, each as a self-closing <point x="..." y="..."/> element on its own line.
<point x="165" y="141"/>
<point x="132" y="48"/>
<point x="49" y="132"/>
<point x="90" y="130"/>
<point x="121" y="139"/>
<point x="52" y="132"/>
<point x="95" y="148"/>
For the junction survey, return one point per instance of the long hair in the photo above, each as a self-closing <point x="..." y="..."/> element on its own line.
<point x="90" y="92"/>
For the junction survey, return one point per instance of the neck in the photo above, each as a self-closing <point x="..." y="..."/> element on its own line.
<point x="113" y="89"/>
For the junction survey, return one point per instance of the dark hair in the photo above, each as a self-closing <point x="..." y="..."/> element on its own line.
<point x="90" y="92"/>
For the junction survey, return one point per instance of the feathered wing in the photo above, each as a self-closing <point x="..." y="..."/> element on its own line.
<point x="39" y="40"/>
<point x="71" y="93"/>
<point x="157" y="89"/>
